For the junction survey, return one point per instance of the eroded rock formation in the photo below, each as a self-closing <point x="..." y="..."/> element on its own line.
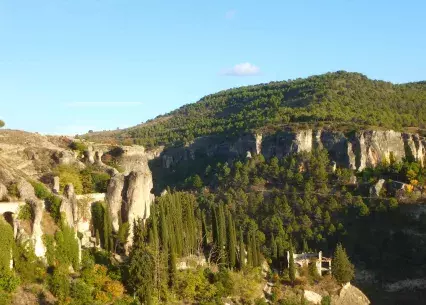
<point x="355" y="150"/>
<point x="129" y="194"/>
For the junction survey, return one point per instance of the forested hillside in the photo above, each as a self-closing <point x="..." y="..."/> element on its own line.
<point x="340" y="100"/>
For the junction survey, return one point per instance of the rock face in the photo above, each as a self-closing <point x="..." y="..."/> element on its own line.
<point x="130" y="198"/>
<point x="350" y="295"/>
<point x="69" y="205"/>
<point x="139" y="199"/>
<point x="356" y="150"/>
<point x="129" y="194"/>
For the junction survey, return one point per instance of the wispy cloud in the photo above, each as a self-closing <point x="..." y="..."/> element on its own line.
<point x="102" y="104"/>
<point x="244" y="69"/>
<point x="230" y="14"/>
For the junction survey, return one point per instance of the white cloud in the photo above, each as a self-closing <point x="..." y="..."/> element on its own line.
<point x="244" y="69"/>
<point x="230" y="14"/>
<point x="102" y="104"/>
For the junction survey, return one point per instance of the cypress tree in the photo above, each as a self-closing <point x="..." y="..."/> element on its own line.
<point x="341" y="268"/>
<point x="254" y="253"/>
<point x="242" y="251"/>
<point x="249" y="250"/>
<point x="231" y="241"/>
<point x="215" y="227"/>
<point x="291" y="269"/>
<point x="172" y="267"/>
<point x="204" y="231"/>
<point x="274" y="248"/>
<point x="107" y="228"/>
<point x="163" y="229"/>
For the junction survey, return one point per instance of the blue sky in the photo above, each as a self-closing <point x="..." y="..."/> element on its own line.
<point x="70" y="66"/>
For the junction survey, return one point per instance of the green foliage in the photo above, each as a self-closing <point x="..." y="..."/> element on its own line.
<point x="26" y="263"/>
<point x="69" y="174"/>
<point x="326" y="300"/>
<point x="8" y="280"/>
<point x="78" y="146"/>
<point x="341" y="268"/>
<point x="2" y="123"/>
<point x="59" y="284"/>
<point x="62" y="249"/>
<point x="6" y="244"/>
<point x="53" y="206"/>
<point x="40" y="190"/>
<point x="81" y="292"/>
<point x="340" y="98"/>
<point x="292" y="267"/>
<point x="26" y="212"/>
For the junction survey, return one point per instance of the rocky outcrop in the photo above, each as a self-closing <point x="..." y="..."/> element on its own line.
<point x="350" y="295"/>
<point x="139" y="198"/>
<point x="129" y="194"/>
<point x="114" y="199"/>
<point x="130" y="198"/>
<point x="69" y="206"/>
<point x="355" y="150"/>
<point x="377" y="188"/>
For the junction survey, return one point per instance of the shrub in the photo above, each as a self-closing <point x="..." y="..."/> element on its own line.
<point x="27" y="264"/>
<point x="6" y="244"/>
<point x="40" y="190"/>
<point x="59" y="284"/>
<point x="8" y="280"/>
<point x="78" y="146"/>
<point x="2" y="124"/>
<point x="69" y="174"/>
<point x="100" y="181"/>
<point x="114" y="288"/>
<point x="26" y="212"/>
<point x="12" y="190"/>
<point x="81" y="293"/>
<point x="326" y="300"/>
<point x="53" y="206"/>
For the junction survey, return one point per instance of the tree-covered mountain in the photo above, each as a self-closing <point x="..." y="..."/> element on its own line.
<point x="339" y="100"/>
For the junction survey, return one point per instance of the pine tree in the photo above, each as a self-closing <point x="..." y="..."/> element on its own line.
<point x="341" y="268"/>
<point x="215" y="227"/>
<point x="222" y="235"/>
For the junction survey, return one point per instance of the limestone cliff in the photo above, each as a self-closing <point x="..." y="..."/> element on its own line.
<point x="129" y="194"/>
<point x="356" y="150"/>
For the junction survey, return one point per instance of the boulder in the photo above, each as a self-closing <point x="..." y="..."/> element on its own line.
<point x="376" y="188"/>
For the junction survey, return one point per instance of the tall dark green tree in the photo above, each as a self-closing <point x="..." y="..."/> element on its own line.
<point x="204" y="231"/>
<point x="231" y="240"/>
<point x="341" y="268"/>
<point x="291" y="266"/>
<point x="242" y="260"/>
<point x="141" y="265"/>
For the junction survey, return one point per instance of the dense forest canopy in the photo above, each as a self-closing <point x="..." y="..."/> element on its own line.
<point x="340" y="99"/>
